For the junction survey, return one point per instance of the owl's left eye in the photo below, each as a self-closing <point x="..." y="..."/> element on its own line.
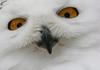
<point x="16" y="23"/>
<point x="68" y="12"/>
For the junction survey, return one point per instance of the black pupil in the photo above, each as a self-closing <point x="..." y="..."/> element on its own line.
<point x="19" y="25"/>
<point x="67" y="15"/>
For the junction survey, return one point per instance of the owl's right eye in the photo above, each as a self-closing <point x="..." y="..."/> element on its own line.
<point x="16" y="23"/>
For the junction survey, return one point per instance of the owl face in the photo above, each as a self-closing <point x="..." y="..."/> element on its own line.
<point x="46" y="23"/>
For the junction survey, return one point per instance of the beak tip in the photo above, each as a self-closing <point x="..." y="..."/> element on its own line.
<point x="49" y="51"/>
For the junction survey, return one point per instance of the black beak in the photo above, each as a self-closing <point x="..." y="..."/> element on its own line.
<point x="47" y="40"/>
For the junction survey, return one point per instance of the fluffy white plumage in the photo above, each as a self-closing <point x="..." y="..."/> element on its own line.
<point x="79" y="38"/>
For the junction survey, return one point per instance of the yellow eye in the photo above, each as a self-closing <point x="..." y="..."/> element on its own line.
<point x="69" y="12"/>
<point x="16" y="23"/>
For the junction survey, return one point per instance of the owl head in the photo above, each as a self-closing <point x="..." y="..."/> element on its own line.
<point x="46" y="23"/>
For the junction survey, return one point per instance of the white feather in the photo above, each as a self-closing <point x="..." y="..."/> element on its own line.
<point x="79" y="44"/>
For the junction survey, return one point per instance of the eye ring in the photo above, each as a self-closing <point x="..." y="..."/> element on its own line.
<point x="16" y="23"/>
<point x="68" y="12"/>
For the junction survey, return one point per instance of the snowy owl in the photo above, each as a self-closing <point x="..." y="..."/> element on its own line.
<point x="49" y="35"/>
